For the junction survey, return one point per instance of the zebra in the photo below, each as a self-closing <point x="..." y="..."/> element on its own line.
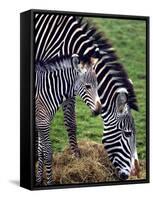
<point x="56" y="82"/>
<point x="117" y="97"/>
<point x="57" y="35"/>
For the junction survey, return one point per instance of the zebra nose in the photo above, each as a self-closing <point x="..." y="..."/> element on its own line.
<point x="98" y="109"/>
<point x="123" y="176"/>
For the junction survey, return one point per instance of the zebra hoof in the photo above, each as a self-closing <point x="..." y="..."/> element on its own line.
<point x="77" y="153"/>
<point x="38" y="184"/>
<point x="48" y="183"/>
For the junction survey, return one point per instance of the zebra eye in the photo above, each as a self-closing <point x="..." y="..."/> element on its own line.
<point x="88" y="87"/>
<point x="120" y="109"/>
<point x="128" y="133"/>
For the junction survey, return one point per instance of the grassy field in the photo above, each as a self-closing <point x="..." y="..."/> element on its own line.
<point x="128" y="38"/>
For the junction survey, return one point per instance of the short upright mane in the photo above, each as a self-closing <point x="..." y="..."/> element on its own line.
<point x="63" y="62"/>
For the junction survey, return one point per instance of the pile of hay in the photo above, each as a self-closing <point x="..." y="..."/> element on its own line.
<point x="93" y="166"/>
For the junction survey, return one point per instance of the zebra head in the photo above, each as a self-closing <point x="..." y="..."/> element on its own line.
<point x="119" y="135"/>
<point x="86" y="86"/>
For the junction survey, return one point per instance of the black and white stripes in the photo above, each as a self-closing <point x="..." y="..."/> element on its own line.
<point x="58" y="35"/>
<point x="55" y="83"/>
<point x="117" y="98"/>
<point x="64" y="35"/>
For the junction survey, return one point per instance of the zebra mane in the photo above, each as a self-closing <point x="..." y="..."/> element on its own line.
<point x="64" y="62"/>
<point x="105" y="48"/>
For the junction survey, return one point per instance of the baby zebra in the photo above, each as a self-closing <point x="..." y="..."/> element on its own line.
<point x="55" y="83"/>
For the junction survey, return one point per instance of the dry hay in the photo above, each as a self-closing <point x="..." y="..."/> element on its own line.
<point x="93" y="166"/>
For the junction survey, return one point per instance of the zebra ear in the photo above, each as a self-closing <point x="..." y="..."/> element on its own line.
<point x="77" y="65"/>
<point x="75" y="60"/>
<point x="93" y="62"/>
<point x="121" y="101"/>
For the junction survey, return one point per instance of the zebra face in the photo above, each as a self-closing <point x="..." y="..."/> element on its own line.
<point x="119" y="137"/>
<point x="86" y="85"/>
<point x="89" y="94"/>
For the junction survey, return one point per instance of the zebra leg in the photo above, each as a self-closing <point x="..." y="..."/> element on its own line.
<point x="39" y="168"/>
<point x="70" y="124"/>
<point x="47" y="154"/>
<point x="43" y="120"/>
<point x="36" y="145"/>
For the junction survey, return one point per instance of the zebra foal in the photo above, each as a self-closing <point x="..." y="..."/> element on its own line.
<point x="55" y="83"/>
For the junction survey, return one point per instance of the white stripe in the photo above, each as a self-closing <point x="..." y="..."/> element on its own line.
<point x="38" y="21"/>
<point x="71" y="38"/>
<point x="36" y="15"/>
<point x="88" y="49"/>
<point x="50" y="91"/>
<point x="124" y="90"/>
<point x="82" y="45"/>
<point x="42" y="24"/>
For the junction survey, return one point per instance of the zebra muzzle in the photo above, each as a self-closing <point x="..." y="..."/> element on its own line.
<point x="98" y="109"/>
<point x="136" y="169"/>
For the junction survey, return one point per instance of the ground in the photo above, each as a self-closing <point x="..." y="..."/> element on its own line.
<point x="128" y="37"/>
<point x="92" y="167"/>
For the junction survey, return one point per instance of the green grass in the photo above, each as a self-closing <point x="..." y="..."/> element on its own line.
<point x="128" y="38"/>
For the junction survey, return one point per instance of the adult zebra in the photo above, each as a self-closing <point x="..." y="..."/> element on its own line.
<point x="56" y="82"/>
<point x="57" y="35"/>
